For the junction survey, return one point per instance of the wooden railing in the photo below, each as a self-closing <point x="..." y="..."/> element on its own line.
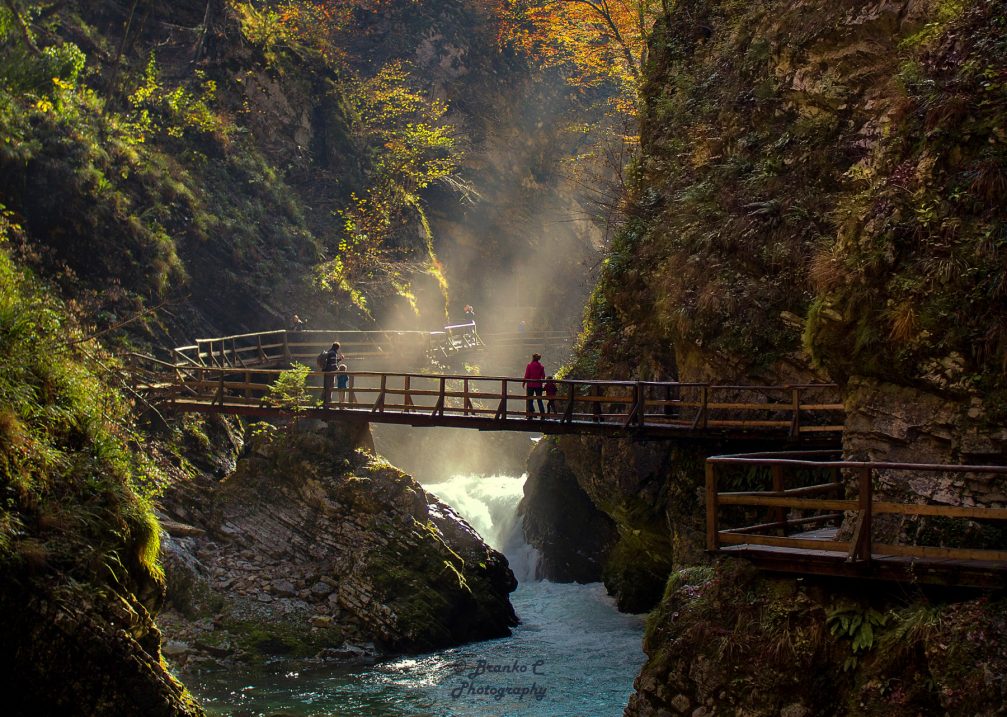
<point x="272" y="348"/>
<point x="788" y="411"/>
<point x="824" y="507"/>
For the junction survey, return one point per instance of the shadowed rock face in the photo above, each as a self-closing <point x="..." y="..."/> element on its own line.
<point x="68" y="656"/>
<point x="311" y="545"/>
<point x="570" y="533"/>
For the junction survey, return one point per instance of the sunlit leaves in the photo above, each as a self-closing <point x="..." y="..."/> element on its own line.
<point x="596" y="41"/>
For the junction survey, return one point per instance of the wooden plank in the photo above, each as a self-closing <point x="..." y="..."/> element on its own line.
<point x="791" y="523"/>
<point x="929" y="552"/>
<point x="785" y="502"/>
<point x="947" y="511"/>
<point x="712" y="543"/>
<point x="839" y="546"/>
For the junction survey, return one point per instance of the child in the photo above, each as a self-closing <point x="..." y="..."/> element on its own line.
<point x="342" y="381"/>
<point x="550" y="392"/>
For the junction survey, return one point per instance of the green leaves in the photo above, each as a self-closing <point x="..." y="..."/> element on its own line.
<point x="858" y="625"/>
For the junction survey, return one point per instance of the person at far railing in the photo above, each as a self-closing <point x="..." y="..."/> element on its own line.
<point x="329" y="361"/>
<point x="470" y="314"/>
<point x="297" y="323"/>
<point x="534" y="373"/>
<point x="342" y="382"/>
<point x="550" y="393"/>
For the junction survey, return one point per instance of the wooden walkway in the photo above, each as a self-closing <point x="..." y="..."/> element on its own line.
<point x="281" y="348"/>
<point x="808" y="415"/>
<point x="816" y="515"/>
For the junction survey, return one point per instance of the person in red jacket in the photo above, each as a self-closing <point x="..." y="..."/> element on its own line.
<point x="534" y="373"/>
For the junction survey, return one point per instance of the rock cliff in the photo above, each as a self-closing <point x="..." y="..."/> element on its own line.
<point x="313" y="549"/>
<point x="812" y="202"/>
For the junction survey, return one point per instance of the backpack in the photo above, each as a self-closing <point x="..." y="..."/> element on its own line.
<point x="322" y="360"/>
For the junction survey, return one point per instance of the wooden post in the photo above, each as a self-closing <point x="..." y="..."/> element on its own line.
<point x="286" y="349"/>
<point x="704" y="400"/>
<point x="795" y="407"/>
<point x="220" y="390"/>
<point x="439" y="407"/>
<point x="501" y="414"/>
<point x="568" y="413"/>
<point x="779" y="514"/>
<point x="353" y="396"/>
<point x="860" y="548"/>
<point x="408" y="398"/>
<point x="637" y="410"/>
<point x="596" y="391"/>
<point x="468" y="401"/>
<point x="248" y="384"/>
<point x="379" y="402"/>
<point x="258" y="343"/>
<point x="712" y="542"/>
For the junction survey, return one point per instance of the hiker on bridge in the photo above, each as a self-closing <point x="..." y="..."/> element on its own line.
<point x="297" y="323"/>
<point x="342" y="382"/>
<point x="329" y="361"/>
<point x="550" y="394"/>
<point x="534" y="374"/>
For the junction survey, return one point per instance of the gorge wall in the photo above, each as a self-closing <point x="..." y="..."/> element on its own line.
<point x="818" y="198"/>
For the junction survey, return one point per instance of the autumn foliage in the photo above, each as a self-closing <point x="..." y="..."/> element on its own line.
<point x="596" y="41"/>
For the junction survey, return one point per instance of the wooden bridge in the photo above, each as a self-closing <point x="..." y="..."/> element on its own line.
<point x="806" y="513"/>
<point x="780" y="415"/>
<point x="234" y="375"/>
<point x="810" y="513"/>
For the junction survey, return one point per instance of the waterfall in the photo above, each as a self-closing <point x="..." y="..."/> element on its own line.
<point x="489" y="504"/>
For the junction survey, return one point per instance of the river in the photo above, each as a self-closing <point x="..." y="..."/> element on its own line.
<point x="573" y="655"/>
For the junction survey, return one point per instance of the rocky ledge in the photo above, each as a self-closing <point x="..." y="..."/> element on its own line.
<point x="727" y="640"/>
<point x="315" y="549"/>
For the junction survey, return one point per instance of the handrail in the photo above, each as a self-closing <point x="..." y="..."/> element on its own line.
<point x="857" y="512"/>
<point x="696" y="409"/>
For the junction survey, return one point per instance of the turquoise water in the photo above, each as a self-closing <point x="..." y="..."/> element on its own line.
<point x="573" y="655"/>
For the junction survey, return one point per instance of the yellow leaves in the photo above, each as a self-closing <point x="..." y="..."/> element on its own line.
<point x="598" y="41"/>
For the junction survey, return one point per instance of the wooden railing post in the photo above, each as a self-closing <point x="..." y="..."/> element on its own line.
<point x="501" y="414"/>
<point x="468" y="400"/>
<point x="258" y="343"/>
<point x="408" y="398"/>
<point x="286" y="349"/>
<point x="704" y="400"/>
<point x="636" y="411"/>
<point x="439" y="407"/>
<point x="220" y="390"/>
<point x="795" y="407"/>
<point x="860" y="545"/>
<point x="779" y="514"/>
<point x="596" y="410"/>
<point x="248" y="384"/>
<point x="353" y="396"/>
<point x="712" y="542"/>
<point x="568" y="413"/>
<point x="379" y="402"/>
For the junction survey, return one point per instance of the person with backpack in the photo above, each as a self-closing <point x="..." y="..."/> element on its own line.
<point x="329" y="361"/>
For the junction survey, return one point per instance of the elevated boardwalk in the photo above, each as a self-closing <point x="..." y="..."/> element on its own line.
<point x="780" y="415"/>
<point x="806" y="513"/>
<point x="821" y="516"/>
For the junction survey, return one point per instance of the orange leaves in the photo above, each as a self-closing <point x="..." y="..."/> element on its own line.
<point x="598" y="41"/>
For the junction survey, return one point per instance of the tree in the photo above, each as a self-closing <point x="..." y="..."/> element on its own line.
<point x="599" y="41"/>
